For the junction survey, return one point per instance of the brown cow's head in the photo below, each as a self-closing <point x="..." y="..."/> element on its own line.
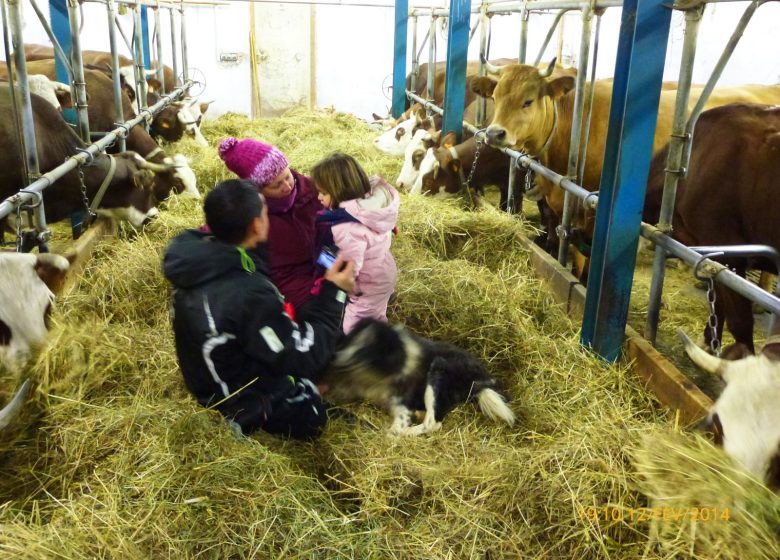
<point x="441" y="171"/>
<point x="745" y="419"/>
<point x="173" y="174"/>
<point x="524" y="99"/>
<point x="130" y="194"/>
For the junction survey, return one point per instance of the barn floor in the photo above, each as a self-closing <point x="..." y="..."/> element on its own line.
<point x="113" y="459"/>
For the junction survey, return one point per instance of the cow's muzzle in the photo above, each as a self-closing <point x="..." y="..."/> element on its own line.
<point x="496" y="135"/>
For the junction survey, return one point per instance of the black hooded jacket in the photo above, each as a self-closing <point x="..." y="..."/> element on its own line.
<point x="238" y="349"/>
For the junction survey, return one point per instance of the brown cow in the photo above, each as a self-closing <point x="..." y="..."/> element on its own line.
<point x="534" y="113"/>
<point x="102" y="58"/>
<point x="730" y="196"/>
<point x="174" y="174"/>
<point x="129" y="195"/>
<point x="189" y="112"/>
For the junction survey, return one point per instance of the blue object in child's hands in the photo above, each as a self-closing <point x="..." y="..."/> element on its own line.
<point x="327" y="257"/>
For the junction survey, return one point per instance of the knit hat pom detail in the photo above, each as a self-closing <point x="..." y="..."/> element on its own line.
<point x="226" y="145"/>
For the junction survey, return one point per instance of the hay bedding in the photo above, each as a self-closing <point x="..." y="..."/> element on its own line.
<point x="119" y="462"/>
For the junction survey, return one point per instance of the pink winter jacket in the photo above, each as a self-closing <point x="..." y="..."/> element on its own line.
<point x="367" y="243"/>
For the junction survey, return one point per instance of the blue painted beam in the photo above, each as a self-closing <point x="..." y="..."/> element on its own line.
<point x="644" y="33"/>
<point x="457" y="53"/>
<point x="399" y="57"/>
<point x="145" y="33"/>
<point x="60" y="25"/>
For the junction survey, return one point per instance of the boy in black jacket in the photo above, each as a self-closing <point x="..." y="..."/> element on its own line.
<point x="239" y="350"/>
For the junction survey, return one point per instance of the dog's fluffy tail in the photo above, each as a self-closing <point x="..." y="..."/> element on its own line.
<point x="494" y="407"/>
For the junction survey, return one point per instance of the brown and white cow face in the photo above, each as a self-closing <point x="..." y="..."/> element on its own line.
<point x="745" y="419"/>
<point x="130" y="195"/>
<point x="440" y="170"/>
<point x="26" y="296"/>
<point x="413" y="156"/>
<point x="524" y="112"/>
<point x="394" y="141"/>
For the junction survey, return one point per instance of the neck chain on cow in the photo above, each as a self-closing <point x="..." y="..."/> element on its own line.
<point x="467" y="182"/>
<point x="712" y="322"/>
<point x="92" y="208"/>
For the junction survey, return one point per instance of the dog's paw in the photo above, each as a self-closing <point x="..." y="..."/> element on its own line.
<point x="421" y="429"/>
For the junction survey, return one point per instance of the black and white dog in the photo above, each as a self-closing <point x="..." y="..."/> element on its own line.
<point x="393" y="369"/>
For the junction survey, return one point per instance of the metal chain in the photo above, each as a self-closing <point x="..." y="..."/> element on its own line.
<point x="712" y="322"/>
<point x="84" y="197"/>
<point x="19" y="228"/>
<point x="467" y="184"/>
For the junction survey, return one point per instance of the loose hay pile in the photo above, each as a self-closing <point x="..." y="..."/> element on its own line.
<point x="119" y="461"/>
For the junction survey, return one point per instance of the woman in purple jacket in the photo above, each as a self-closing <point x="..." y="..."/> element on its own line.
<point x="292" y="207"/>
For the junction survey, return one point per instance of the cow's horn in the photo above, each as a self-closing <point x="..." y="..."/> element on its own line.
<point x="705" y="361"/>
<point x="191" y="103"/>
<point x="547" y="73"/>
<point x="13" y="408"/>
<point x="157" y="167"/>
<point x="492" y="68"/>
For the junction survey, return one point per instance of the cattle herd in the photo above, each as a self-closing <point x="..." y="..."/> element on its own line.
<point x="124" y="186"/>
<point x="729" y="196"/>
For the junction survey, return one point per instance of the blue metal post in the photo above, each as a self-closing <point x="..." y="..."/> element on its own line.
<point x="457" y="52"/>
<point x="399" y="57"/>
<point x="60" y="25"/>
<point x="145" y="32"/>
<point x="644" y="33"/>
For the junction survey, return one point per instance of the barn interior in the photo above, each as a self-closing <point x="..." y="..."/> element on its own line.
<point x="110" y="456"/>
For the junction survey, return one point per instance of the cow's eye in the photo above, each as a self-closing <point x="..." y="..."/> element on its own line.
<point x="528" y="103"/>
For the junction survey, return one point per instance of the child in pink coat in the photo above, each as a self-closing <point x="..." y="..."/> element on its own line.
<point x="361" y="215"/>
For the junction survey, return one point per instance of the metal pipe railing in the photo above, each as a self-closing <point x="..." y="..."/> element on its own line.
<point x="548" y="37"/>
<point x="523" y="48"/>
<point x="183" y="38"/>
<point x="79" y="83"/>
<point x="720" y="272"/>
<point x="415" y="57"/>
<point x="116" y="78"/>
<point x="159" y="43"/>
<point x="673" y="168"/>
<point x="431" y="60"/>
<point x="84" y="156"/>
<point x="426" y="103"/>
<point x="174" y="54"/>
<point x="483" y="55"/>
<point x="54" y="42"/>
<point x="25" y="106"/>
<point x="138" y="55"/>
<point x="576" y="133"/>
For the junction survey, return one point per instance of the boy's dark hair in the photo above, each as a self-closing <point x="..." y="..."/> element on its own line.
<point x="230" y="207"/>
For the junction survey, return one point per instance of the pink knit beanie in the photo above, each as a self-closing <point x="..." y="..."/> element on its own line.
<point x="252" y="159"/>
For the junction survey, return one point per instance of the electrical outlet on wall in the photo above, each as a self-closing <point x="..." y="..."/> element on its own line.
<point x="231" y="57"/>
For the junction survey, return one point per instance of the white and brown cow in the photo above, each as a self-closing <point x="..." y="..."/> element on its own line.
<point x="745" y="419"/>
<point x="27" y="282"/>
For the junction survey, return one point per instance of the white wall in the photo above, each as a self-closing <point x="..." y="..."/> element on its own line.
<point x="354" y="48"/>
